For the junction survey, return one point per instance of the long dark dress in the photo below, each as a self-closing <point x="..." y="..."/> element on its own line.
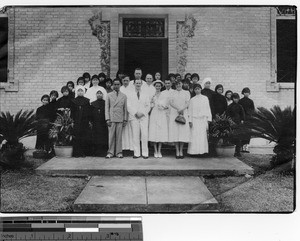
<point x="53" y="109"/>
<point x="100" y="129"/>
<point x="219" y="103"/>
<point x="248" y="106"/>
<point x="80" y="112"/>
<point x="236" y="112"/>
<point x="43" y="114"/>
<point x="210" y="95"/>
<point x="64" y="102"/>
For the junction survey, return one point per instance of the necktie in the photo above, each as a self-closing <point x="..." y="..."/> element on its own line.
<point x="138" y="95"/>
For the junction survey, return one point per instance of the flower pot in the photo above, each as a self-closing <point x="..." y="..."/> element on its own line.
<point x="63" y="151"/>
<point x="225" y="151"/>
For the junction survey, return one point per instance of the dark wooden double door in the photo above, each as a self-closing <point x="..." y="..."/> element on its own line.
<point x="151" y="55"/>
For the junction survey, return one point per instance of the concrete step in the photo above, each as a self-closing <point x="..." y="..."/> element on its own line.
<point x="145" y="194"/>
<point x="127" y="166"/>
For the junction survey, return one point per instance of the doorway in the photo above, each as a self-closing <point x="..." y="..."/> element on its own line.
<point x="151" y="55"/>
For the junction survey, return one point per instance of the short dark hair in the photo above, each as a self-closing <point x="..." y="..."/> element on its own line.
<point x="125" y="76"/>
<point x="109" y="80"/>
<point x="167" y="80"/>
<point x="64" y="88"/>
<point x="170" y="75"/>
<point x="86" y="75"/>
<point x="228" y="91"/>
<point x="197" y="86"/>
<point x="53" y="92"/>
<point x="246" y="90"/>
<point x="137" y="69"/>
<point x="45" y="96"/>
<point x="218" y="87"/>
<point x="187" y="75"/>
<point x="177" y="75"/>
<point x="95" y="77"/>
<point x="71" y="82"/>
<point x="235" y="96"/>
<point x="195" y="75"/>
<point x="80" y="78"/>
<point x="102" y="75"/>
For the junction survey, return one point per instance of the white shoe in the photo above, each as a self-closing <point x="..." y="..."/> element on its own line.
<point x="155" y="155"/>
<point x="159" y="155"/>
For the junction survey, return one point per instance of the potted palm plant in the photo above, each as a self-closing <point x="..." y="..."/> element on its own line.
<point x="62" y="133"/>
<point x="221" y="133"/>
<point x="14" y="128"/>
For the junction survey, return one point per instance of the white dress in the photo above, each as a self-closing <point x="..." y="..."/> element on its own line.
<point x="179" y="132"/>
<point x="127" y="143"/>
<point x="91" y="93"/>
<point x="158" y="123"/>
<point x="199" y="115"/>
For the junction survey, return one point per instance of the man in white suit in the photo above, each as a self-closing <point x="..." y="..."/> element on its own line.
<point x="138" y="106"/>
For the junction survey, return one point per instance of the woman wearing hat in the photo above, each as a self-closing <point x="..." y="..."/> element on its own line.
<point x="199" y="116"/>
<point x="158" y="124"/>
<point x="179" y="132"/>
<point x="91" y="92"/>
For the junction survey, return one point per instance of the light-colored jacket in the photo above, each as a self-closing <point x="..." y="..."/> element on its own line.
<point x="135" y="105"/>
<point x="116" y="107"/>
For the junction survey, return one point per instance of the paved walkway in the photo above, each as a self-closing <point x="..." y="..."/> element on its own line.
<point x="145" y="194"/>
<point x="127" y="166"/>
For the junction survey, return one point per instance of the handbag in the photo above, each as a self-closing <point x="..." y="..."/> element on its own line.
<point x="180" y="119"/>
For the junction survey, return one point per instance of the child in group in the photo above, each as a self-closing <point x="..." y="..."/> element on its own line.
<point x="237" y="114"/>
<point x="99" y="126"/>
<point x="219" y="101"/>
<point x="108" y="85"/>
<point x="43" y="113"/>
<point x="199" y="116"/>
<point x="80" y="82"/>
<point x="71" y="87"/>
<point x="102" y="78"/>
<point x="248" y="106"/>
<point x="87" y="80"/>
<point x="228" y="96"/>
<point x="53" y="104"/>
<point x="80" y="113"/>
<point x="65" y="100"/>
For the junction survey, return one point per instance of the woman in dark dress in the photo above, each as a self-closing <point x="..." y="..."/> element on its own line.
<point x="219" y="101"/>
<point x="206" y="83"/>
<point x="43" y="114"/>
<point x="102" y="79"/>
<point x="237" y="114"/>
<point x="99" y="126"/>
<point x="71" y="87"/>
<point x="53" y="104"/>
<point x="65" y="101"/>
<point x="248" y="106"/>
<point x="80" y="112"/>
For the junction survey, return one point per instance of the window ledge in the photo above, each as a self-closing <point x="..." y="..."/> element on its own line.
<point x="8" y="87"/>
<point x="286" y="85"/>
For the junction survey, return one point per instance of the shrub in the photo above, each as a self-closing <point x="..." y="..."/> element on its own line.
<point x="13" y="128"/>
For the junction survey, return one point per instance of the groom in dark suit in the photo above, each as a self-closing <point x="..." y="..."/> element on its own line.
<point x="116" y="118"/>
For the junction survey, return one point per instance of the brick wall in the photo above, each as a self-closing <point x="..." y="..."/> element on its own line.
<point x="232" y="46"/>
<point x="55" y="45"/>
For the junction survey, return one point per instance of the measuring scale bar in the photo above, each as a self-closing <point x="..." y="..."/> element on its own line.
<point x="71" y="228"/>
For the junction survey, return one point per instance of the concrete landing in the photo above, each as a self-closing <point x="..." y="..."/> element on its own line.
<point x="145" y="194"/>
<point x="166" y="166"/>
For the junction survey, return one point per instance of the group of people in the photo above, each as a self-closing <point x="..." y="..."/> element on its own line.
<point x="122" y="114"/>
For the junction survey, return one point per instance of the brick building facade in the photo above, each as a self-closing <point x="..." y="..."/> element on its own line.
<point x="235" y="46"/>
